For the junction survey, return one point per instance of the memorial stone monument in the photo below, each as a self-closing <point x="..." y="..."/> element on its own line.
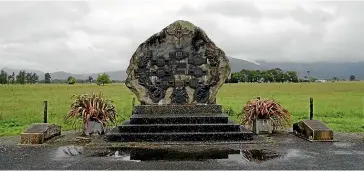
<point x="176" y="74"/>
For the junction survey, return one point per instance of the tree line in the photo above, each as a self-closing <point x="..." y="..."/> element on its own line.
<point x="24" y="77"/>
<point x="101" y="79"/>
<point x="271" y="75"/>
<point x="274" y="75"/>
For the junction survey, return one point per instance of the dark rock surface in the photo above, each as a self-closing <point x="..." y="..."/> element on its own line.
<point x="178" y="65"/>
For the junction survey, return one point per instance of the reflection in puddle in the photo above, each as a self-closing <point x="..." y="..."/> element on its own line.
<point x="68" y="152"/>
<point x="341" y="152"/>
<point x="171" y="155"/>
<point x="255" y="155"/>
<point x="342" y="145"/>
<point x="252" y="155"/>
<point x="122" y="155"/>
<point x="165" y="154"/>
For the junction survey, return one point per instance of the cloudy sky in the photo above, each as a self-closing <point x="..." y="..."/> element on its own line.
<point x="94" y="36"/>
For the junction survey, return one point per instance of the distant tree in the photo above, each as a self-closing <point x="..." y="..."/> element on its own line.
<point x="103" y="79"/>
<point x="255" y="76"/>
<point x="292" y="76"/>
<point x="352" y="77"/>
<point x="28" y="78"/>
<point x="90" y="79"/>
<point x="244" y="75"/>
<point x="71" y="80"/>
<point x="235" y="77"/>
<point x="34" y="78"/>
<point x="3" y="77"/>
<point x="21" y="77"/>
<point x="278" y="75"/>
<point x="47" y="78"/>
<point x="10" y="78"/>
<point x="13" y="78"/>
<point x="267" y="76"/>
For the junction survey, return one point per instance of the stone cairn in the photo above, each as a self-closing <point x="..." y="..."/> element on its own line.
<point x="176" y="74"/>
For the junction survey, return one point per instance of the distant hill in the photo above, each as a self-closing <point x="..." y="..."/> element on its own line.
<point x="320" y="70"/>
<point x="239" y="64"/>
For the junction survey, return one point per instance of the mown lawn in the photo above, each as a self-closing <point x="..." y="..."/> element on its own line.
<point x="340" y="105"/>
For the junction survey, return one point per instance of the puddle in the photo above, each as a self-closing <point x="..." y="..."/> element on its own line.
<point x="343" y="152"/>
<point x="342" y="145"/>
<point x="68" y="152"/>
<point x="252" y="155"/>
<point x="353" y="152"/>
<point x="295" y="153"/>
<point x="170" y="154"/>
<point x="359" y="152"/>
<point x="259" y="155"/>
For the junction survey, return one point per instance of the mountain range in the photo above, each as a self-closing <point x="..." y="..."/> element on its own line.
<point x="320" y="70"/>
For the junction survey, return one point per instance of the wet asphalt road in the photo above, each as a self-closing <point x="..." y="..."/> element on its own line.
<point x="296" y="154"/>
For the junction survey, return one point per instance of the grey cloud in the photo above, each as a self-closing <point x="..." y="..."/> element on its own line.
<point x="53" y="36"/>
<point x="293" y="45"/>
<point x="234" y="8"/>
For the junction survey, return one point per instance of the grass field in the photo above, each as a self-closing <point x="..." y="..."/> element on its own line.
<point x="340" y="105"/>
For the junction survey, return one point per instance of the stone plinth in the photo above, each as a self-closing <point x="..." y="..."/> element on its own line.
<point x="38" y="133"/>
<point x="203" y="123"/>
<point x="178" y="109"/>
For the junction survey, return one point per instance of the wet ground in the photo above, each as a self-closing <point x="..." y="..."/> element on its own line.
<point x="280" y="152"/>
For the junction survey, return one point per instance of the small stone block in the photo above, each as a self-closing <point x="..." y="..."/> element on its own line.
<point x="38" y="133"/>
<point x="31" y="138"/>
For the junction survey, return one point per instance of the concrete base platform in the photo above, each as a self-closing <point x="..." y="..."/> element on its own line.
<point x="180" y="136"/>
<point x="152" y="123"/>
<point x="179" y="127"/>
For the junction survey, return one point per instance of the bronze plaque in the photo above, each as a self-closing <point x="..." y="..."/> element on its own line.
<point x="193" y="83"/>
<point x="178" y="55"/>
<point x="180" y="71"/>
<point x="161" y="62"/>
<point x="179" y="83"/>
<point x="161" y="73"/>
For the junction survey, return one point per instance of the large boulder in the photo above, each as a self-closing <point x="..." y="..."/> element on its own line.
<point x="178" y="65"/>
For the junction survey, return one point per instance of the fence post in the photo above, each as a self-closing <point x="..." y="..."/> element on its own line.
<point x="45" y="116"/>
<point x="311" y="108"/>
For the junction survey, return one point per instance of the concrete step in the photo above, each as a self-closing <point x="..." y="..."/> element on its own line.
<point x="180" y="136"/>
<point x="178" y="119"/>
<point x="139" y="128"/>
<point x="177" y="109"/>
